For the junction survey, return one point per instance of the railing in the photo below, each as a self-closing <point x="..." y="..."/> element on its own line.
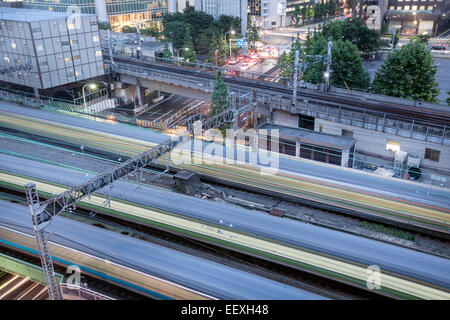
<point x="73" y="292"/>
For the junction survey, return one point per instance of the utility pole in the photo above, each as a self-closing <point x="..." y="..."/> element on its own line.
<point x="54" y="290"/>
<point x="109" y="47"/>
<point x="138" y="37"/>
<point x="294" y="92"/>
<point x="328" y="62"/>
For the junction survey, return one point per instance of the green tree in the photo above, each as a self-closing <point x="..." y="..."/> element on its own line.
<point x="205" y="39"/>
<point x="219" y="48"/>
<point x="303" y="12"/>
<point x="227" y="23"/>
<point x="347" y="67"/>
<point x="309" y="12"/>
<point x="297" y="14"/>
<point x="104" y="25"/>
<point x="219" y="97"/>
<point x="367" y="40"/>
<point x="152" y="30"/>
<point x="333" y="30"/>
<point x="252" y="36"/>
<point x="189" y="54"/>
<point x="286" y="66"/>
<point x="396" y="38"/>
<point x="423" y="38"/>
<point x="167" y="54"/>
<point x="448" y="98"/>
<point x="315" y="67"/>
<point x="174" y="31"/>
<point x="408" y="73"/>
<point x="128" y="29"/>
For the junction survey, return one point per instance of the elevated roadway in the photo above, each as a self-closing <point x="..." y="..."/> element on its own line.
<point x="405" y="273"/>
<point x="203" y="79"/>
<point x="410" y="204"/>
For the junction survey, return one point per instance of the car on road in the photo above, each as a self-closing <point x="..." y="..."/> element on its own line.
<point x="245" y="66"/>
<point x="233" y="62"/>
<point x="252" y="62"/>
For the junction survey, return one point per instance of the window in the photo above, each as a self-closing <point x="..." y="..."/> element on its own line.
<point x="407" y="8"/>
<point x="65" y="43"/>
<point x="414" y="8"/>
<point x="392" y="8"/>
<point x="76" y="58"/>
<point x="39" y="47"/>
<point x="73" y="42"/>
<point x="93" y="23"/>
<point x="95" y="38"/>
<point x="432" y="155"/>
<point x="67" y="59"/>
<point x="392" y="145"/>
<point x="305" y="122"/>
<point x="98" y="53"/>
<point x="430" y="8"/>
<point x="13" y="45"/>
<point x="71" y="26"/>
<point x="35" y="30"/>
<point x="347" y="133"/>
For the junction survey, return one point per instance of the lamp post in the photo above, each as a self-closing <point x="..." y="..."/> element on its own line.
<point x="93" y="86"/>
<point x="178" y="53"/>
<point x="229" y="39"/>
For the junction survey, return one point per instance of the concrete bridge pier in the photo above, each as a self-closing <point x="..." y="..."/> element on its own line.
<point x="137" y="91"/>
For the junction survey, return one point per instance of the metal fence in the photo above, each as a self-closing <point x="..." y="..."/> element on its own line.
<point x="72" y="292"/>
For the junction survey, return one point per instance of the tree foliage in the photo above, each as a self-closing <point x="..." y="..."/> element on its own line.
<point x="408" y="73"/>
<point x="202" y="27"/>
<point x="104" y="25"/>
<point x="219" y="97"/>
<point x="174" y="31"/>
<point x="152" y="30"/>
<point x="128" y="29"/>
<point x="347" y="66"/>
<point x="167" y="54"/>
<point x="218" y="48"/>
<point x="286" y="66"/>
<point x="188" y="46"/>
<point x="252" y="36"/>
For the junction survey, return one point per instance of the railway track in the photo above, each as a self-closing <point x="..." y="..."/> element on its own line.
<point x="283" y="274"/>
<point x="256" y="244"/>
<point x="402" y="112"/>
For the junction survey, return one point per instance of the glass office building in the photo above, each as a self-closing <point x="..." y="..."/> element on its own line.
<point x="117" y="12"/>
<point x="44" y="49"/>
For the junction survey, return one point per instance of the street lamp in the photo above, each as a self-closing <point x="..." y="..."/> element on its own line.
<point x="92" y="86"/>
<point x="229" y="39"/>
<point x="178" y="52"/>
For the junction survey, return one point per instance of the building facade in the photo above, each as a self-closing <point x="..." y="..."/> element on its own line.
<point x="43" y="49"/>
<point x="118" y="13"/>
<point x="216" y="8"/>
<point x="372" y="12"/>
<point x="413" y="17"/>
<point x="268" y="14"/>
<point x="179" y="5"/>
